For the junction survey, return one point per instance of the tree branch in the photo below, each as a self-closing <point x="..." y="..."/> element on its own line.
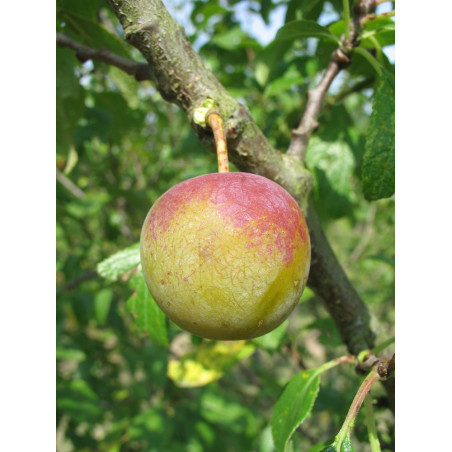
<point x="339" y="60"/>
<point x="69" y="185"/>
<point x="140" y="71"/>
<point x="182" y="78"/>
<point x="301" y="135"/>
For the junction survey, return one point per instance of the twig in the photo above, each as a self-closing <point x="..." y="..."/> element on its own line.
<point x="301" y="135"/>
<point x="364" y="389"/>
<point x="140" y="71"/>
<point x="339" y="60"/>
<point x="386" y="367"/>
<point x="346" y="8"/>
<point x="67" y="183"/>
<point x="371" y="428"/>
<point x="89" y="274"/>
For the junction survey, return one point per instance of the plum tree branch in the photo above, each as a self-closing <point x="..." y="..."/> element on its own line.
<point x="182" y="78"/>
<point x="140" y="71"/>
<point x="308" y="123"/>
<point x="338" y="61"/>
<point x="69" y="185"/>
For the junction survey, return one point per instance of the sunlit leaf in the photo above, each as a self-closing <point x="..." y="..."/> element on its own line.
<point x="294" y="405"/>
<point x="273" y="339"/>
<point x="267" y="58"/>
<point x="68" y="354"/>
<point x="299" y="29"/>
<point x="208" y="362"/>
<point x="230" y="39"/>
<point x="120" y="263"/>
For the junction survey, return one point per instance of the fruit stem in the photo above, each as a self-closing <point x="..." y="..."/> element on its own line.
<point x="216" y="124"/>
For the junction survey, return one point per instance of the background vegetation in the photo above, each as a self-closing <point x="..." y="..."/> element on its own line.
<point x="124" y="384"/>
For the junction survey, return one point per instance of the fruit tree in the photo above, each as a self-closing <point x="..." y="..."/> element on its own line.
<point x="256" y="313"/>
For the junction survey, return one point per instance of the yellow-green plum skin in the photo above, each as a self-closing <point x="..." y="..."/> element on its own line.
<point x="226" y="255"/>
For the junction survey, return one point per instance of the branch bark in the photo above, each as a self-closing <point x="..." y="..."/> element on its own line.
<point x="339" y="60"/>
<point x="69" y="185"/>
<point x="140" y="71"/>
<point x="182" y="78"/>
<point x="301" y="135"/>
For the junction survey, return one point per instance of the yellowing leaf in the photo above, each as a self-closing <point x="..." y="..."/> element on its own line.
<point x="209" y="362"/>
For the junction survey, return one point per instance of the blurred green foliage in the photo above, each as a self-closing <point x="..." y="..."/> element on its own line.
<point x="119" y="147"/>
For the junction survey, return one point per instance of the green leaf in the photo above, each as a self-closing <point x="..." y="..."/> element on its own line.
<point x="378" y="167"/>
<point x="78" y="399"/>
<point x="202" y="12"/>
<point x="379" y="24"/>
<point x="126" y="84"/>
<point x="102" y="302"/>
<point x="294" y="405"/>
<point x="296" y="402"/>
<point x="378" y="68"/>
<point x="70" y="354"/>
<point x="290" y="78"/>
<point x="84" y="8"/>
<point x="119" y="263"/>
<point x="329" y="335"/>
<point x="333" y="165"/>
<point x="153" y="426"/>
<point x="321" y="447"/>
<point x="309" y="10"/>
<point x="337" y="28"/>
<point x="124" y="120"/>
<point x="69" y="104"/>
<point x="347" y="445"/>
<point x="267" y="61"/>
<point x="299" y="29"/>
<point x="222" y="408"/>
<point x="149" y="318"/>
<point x="87" y="31"/>
<point x="269" y="57"/>
<point x="229" y="40"/>
<point x="273" y="339"/>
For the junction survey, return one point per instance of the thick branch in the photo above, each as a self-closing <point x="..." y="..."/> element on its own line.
<point x="328" y="280"/>
<point x="140" y="71"/>
<point x="183" y="78"/>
